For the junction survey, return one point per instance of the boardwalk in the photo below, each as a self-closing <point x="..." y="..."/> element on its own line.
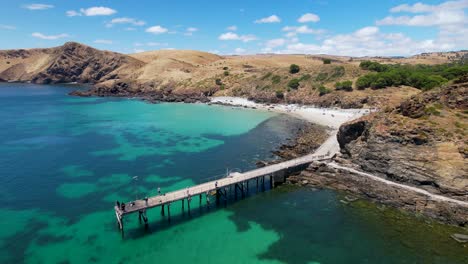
<point x="238" y="180"/>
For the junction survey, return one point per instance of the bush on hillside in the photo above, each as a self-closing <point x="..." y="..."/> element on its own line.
<point x="345" y="85"/>
<point x="294" y="84"/>
<point x="294" y="68"/>
<point x="424" y="77"/>
<point x="323" y="90"/>
<point x="276" y="79"/>
<point x="226" y="73"/>
<point x="326" y="61"/>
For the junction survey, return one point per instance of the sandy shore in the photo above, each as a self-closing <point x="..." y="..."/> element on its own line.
<point x="332" y="118"/>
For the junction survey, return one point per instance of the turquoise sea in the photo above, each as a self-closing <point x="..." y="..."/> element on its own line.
<point x="65" y="160"/>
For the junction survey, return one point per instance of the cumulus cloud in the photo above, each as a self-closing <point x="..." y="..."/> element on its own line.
<point x="293" y="31"/>
<point x="240" y="51"/>
<point x="92" y="11"/>
<point x="7" y="27"/>
<point x="234" y="36"/>
<point x="270" y="19"/>
<point x="370" y="41"/>
<point x="308" y="17"/>
<point x="37" y="6"/>
<point x="447" y="13"/>
<point x="157" y="30"/>
<point x="103" y="41"/>
<point x="49" y="37"/>
<point x="125" y="20"/>
<point x="232" y="28"/>
<point x="424" y="8"/>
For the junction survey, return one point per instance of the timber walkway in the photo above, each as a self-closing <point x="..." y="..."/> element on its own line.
<point x="239" y="181"/>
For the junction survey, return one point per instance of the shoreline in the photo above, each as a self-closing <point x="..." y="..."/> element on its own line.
<point x="332" y="118"/>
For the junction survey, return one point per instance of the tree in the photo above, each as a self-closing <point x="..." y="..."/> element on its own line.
<point x="294" y="84"/>
<point x="294" y="68"/>
<point x="326" y="61"/>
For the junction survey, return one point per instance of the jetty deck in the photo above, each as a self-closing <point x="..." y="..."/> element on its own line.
<point x="239" y="181"/>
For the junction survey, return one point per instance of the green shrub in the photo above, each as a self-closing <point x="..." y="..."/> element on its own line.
<point x="345" y="85"/>
<point x="294" y="68"/>
<point x="323" y="90"/>
<point x="226" y="73"/>
<point x="294" y="84"/>
<point x="218" y="82"/>
<point x="225" y="68"/>
<point x="326" y="61"/>
<point x="373" y="66"/>
<point x="276" y="79"/>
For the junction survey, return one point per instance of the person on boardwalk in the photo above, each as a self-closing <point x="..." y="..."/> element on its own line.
<point x="159" y="191"/>
<point x="216" y="184"/>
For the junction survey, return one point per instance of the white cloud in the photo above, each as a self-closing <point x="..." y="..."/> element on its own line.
<point x="240" y="51"/>
<point x="214" y="51"/>
<point x="444" y="14"/>
<point x="189" y="31"/>
<point x="232" y="28"/>
<point x="157" y="30"/>
<point x="72" y="13"/>
<point x="293" y="31"/>
<point x="38" y="6"/>
<point x="369" y="41"/>
<point x="438" y="18"/>
<point x="270" y="19"/>
<point x="309" y="17"/>
<point x="126" y="20"/>
<point x="424" y="8"/>
<point x="7" y="27"/>
<point x="273" y="43"/>
<point x="49" y="37"/>
<point x="138" y="50"/>
<point x="103" y="41"/>
<point x="92" y="11"/>
<point x="234" y="36"/>
<point x="150" y="44"/>
<point x="129" y="28"/>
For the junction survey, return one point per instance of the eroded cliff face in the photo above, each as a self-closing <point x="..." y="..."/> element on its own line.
<point x="72" y="62"/>
<point x="421" y="143"/>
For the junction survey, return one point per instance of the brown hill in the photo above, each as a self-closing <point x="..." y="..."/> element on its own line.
<point x="176" y="75"/>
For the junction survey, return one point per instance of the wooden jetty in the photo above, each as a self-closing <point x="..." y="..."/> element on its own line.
<point x="275" y="173"/>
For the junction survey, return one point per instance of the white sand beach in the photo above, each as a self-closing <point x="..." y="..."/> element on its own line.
<point x="329" y="117"/>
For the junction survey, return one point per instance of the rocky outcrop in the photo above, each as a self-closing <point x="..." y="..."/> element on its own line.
<point x="420" y="143"/>
<point x="320" y="175"/>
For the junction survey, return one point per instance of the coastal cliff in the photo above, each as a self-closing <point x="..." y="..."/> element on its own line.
<point x="420" y="143"/>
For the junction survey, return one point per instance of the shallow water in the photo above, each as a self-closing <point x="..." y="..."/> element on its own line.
<point x="65" y="160"/>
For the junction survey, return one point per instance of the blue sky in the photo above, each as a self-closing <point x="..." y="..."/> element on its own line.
<point x="356" y="27"/>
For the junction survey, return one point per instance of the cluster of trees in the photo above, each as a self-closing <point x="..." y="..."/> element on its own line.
<point x="344" y="85"/>
<point x="424" y="77"/>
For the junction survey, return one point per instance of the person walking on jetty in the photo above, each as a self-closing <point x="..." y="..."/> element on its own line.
<point x="159" y="191"/>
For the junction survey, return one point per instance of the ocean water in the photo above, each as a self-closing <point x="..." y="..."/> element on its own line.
<point x="65" y="160"/>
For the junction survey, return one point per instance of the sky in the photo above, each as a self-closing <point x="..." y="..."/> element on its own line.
<point x="353" y="28"/>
